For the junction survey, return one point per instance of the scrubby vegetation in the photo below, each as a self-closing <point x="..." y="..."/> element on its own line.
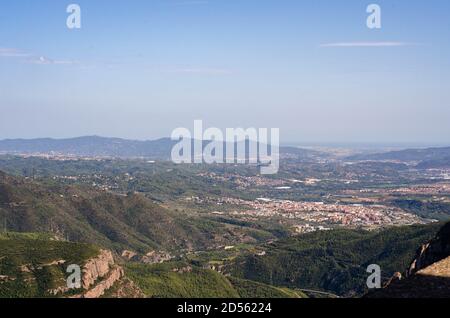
<point x="178" y="279"/>
<point x="32" y="264"/>
<point x="82" y="214"/>
<point x="251" y="289"/>
<point x="425" y="208"/>
<point x="161" y="281"/>
<point x="334" y="261"/>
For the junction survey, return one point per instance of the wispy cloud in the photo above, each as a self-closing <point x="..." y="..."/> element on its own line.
<point x="30" y="58"/>
<point x="368" y="44"/>
<point x="42" y="60"/>
<point x="10" y="52"/>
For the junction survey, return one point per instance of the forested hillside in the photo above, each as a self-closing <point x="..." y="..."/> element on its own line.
<point x="334" y="261"/>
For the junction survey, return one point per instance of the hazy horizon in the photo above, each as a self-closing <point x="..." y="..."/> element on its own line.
<point x="138" y="70"/>
<point x="300" y="144"/>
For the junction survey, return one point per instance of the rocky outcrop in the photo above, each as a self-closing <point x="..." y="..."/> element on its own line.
<point x="100" y="289"/>
<point x="395" y="278"/>
<point x="125" y="288"/>
<point x="96" y="268"/>
<point x="152" y="257"/>
<point x="183" y="270"/>
<point x="156" y="257"/>
<point x="432" y="252"/>
<point x="438" y="269"/>
<point x="99" y="275"/>
<point x="5" y="278"/>
<point x="129" y="255"/>
<point x="428" y="276"/>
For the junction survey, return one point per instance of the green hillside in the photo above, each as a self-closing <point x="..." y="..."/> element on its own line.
<point x="179" y="280"/>
<point x="160" y="281"/>
<point x="333" y="261"/>
<point x="32" y="265"/>
<point x="27" y="263"/>
<point x="251" y="289"/>
<point x="83" y="214"/>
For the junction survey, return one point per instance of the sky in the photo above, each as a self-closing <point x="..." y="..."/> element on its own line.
<point x="139" y="69"/>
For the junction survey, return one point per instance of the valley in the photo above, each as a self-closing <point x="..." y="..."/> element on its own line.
<point x="223" y="230"/>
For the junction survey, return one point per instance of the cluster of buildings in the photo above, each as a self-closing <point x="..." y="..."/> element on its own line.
<point x="339" y="214"/>
<point x="319" y="213"/>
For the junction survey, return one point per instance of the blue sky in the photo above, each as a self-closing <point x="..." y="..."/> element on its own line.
<point x="141" y="68"/>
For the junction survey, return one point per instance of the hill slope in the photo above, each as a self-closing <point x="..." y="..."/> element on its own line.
<point x="428" y="276"/>
<point x="118" y="222"/>
<point x="334" y="261"/>
<point x="180" y="280"/>
<point x="31" y="265"/>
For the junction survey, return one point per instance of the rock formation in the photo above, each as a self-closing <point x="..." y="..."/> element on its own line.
<point x="428" y="276"/>
<point x="432" y="252"/>
<point x="96" y="268"/>
<point x="99" y="275"/>
<point x="99" y="290"/>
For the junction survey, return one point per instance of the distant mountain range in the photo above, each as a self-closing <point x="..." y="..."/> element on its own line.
<point x="90" y="146"/>
<point x="427" y="158"/>
<point x="160" y="149"/>
<point x="408" y="155"/>
<point x="108" y="147"/>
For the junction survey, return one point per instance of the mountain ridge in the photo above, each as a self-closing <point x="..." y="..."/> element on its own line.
<point x="419" y="154"/>
<point x="109" y="147"/>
